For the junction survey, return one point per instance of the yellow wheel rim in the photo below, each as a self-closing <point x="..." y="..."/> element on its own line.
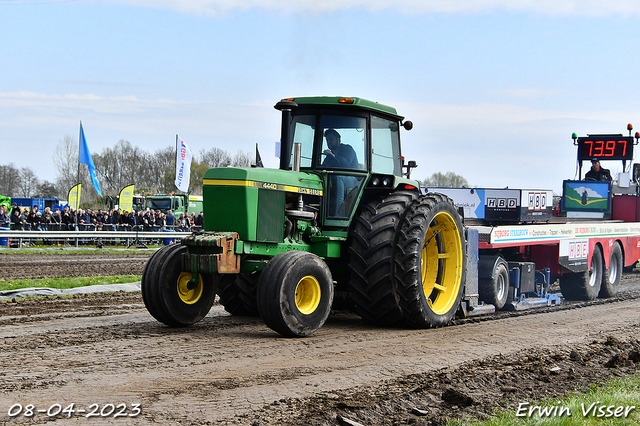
<point x="308" y="295"/>
<point x="441" y="263"/>
<point x="187" y="295"/>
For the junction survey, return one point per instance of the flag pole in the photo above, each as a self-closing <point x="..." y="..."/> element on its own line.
<point x="78" y="176"/>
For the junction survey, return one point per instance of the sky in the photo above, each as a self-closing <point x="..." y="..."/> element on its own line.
<point x="495" y="88"/>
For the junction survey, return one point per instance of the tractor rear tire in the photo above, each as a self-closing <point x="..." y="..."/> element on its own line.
<point x="295" y="293"/>
<point x="430" y="261"/>
<point x="169" y="298"/>
<point x="584" y="285"/>
<point x="371" y="248"/>
<point x="238" y="293"/>
<point x="613" y="274"/>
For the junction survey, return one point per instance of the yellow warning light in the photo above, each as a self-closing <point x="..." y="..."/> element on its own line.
<point x="345" y="100"/>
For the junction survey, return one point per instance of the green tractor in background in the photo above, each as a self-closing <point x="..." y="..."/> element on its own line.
<point x="337" y="218"/>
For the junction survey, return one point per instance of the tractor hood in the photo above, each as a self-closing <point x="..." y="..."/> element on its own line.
<point x="252" y="201"/>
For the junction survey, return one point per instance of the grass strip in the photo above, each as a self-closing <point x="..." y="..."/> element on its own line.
<point x="64" y="283"/>
<point x="616" y="402"/>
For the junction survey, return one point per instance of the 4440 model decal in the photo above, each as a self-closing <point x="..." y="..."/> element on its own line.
<point x="264" y="185"/>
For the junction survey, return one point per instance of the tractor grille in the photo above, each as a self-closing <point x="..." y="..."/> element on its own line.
<point x="270" y="225"/>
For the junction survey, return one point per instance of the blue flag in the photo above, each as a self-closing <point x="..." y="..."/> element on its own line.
<point x="85" y="157"/>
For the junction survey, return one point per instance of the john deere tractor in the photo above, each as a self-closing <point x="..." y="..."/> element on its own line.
<point x="338" y="217"/>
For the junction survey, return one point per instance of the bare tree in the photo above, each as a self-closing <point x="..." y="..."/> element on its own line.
<point x="47" y="189"/>
<point x="28" y="182"/>
<point x="215" y="157"/>
<point x="65" y="159"/>
<point x="117" y="167"/>
<point x="9" y="180"/>
<point x="122" y="165"/>
<point x="242" y="159"/>
<point x="161" y="171"/>
<point x="449" y="179"/>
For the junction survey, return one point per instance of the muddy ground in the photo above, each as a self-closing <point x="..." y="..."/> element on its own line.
<point x="106" y="349"/>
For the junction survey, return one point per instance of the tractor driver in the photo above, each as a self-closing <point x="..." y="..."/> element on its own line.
<point x="343" y="156"/>
<point x="597" y="172"/>
<point x="339" y="154"/>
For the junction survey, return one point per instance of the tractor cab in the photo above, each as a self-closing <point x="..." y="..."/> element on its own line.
<point x="350" y="143"/>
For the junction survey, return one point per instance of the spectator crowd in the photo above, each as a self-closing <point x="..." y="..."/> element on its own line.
<point x="25" y="218"/>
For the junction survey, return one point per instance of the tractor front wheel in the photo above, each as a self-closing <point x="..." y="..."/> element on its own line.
<point x="295" y="293"/>
<point x="170" y="294"/>
<point x="430" y="262"/>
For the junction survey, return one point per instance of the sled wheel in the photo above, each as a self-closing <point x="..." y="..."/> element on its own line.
<point x="584" y="285"/>
<point x="238" y="293"/>
<point x="430" y="261"/>
<point x="371" y="246"/>
<point x="494" y="289"/>
<point x="613" y="274"/>
<point x="295" y="293"/>
<point x="171" y="297"/>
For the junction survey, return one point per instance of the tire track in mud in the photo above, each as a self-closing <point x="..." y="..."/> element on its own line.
<point x="233" y="370"/>
<point x="228" y="366"/>
<point x="68" y="264"/>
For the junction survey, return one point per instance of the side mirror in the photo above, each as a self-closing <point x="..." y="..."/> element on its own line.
<point x="408" y="125"/>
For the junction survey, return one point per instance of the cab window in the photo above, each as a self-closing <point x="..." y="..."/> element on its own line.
<point x="385" y="147"/>
<point x="303" y="132"/>
<point x="344" y="141"/>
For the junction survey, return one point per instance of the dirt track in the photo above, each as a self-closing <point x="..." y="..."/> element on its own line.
<point x="232" y="370"/>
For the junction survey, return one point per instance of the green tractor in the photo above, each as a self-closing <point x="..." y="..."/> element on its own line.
<point x="338" y="217"/>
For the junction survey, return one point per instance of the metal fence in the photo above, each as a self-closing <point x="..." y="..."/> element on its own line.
<point x="90" y="236"/>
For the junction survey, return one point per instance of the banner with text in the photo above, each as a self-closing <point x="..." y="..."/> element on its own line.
<point x="183" y="165"/>
<point x="125" y="199"/>
<point x="74" y="196"/>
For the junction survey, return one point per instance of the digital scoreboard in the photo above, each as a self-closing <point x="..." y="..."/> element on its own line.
<point x="605" y="147"/>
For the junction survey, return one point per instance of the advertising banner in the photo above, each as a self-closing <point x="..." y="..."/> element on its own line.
<point x="125" y="199"/>
<point x="74" y="196"/>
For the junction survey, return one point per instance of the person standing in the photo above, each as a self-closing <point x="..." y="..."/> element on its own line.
<point x="33" y="219"/>
<point x="16" y="219"/>
<point x="597" y="172"/>
<point x="4" y="216"/>
<point x="170" y="219"/>
<point x="199" y="221"/>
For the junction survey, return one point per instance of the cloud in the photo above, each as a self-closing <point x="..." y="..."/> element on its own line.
<point x="591" y="193"/>
<point x="409" y="7"/>
<point x="490" y="144"/>
<point x="40" y="120"/>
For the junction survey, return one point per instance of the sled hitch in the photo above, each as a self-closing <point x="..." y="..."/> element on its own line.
<point x="210" y="253"/>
